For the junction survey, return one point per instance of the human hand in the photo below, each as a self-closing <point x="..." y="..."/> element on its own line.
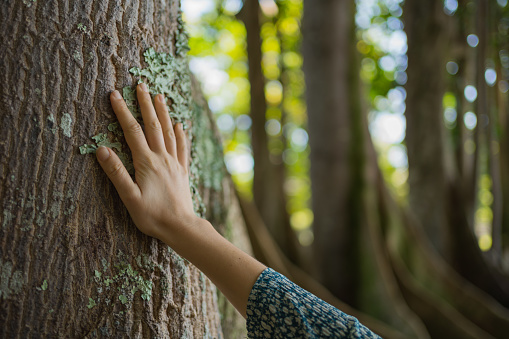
<point x="159" y="200"/>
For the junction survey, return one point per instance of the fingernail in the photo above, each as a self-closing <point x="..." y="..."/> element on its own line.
<point x="160" y="97"/>
<point x="116" y="94"/>
<point x="102" y="153"/>
<point x="143" y="87"/>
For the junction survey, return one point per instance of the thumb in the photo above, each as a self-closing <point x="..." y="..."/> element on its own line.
<point x="117" y="173"/>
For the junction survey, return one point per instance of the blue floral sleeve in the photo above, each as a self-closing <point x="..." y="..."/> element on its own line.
<point x="277" y="308"/>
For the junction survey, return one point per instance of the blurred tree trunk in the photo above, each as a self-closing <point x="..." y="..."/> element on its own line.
<point x="504" y="169"/>
<point x="333" y="105"/>
<point x="269" y="175"/>
<point x="424" y="25"/>
<point x="458" y="54"/>
<point x="502" y="67"/>
<point x="494" y="137"/>
<point x="72" y="263"/>
<point x="350" y="259"/>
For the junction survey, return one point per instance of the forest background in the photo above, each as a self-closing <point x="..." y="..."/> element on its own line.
<point x="438" y="123"/>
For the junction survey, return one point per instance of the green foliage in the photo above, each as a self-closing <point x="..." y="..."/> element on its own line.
<point x="218" y="41"/>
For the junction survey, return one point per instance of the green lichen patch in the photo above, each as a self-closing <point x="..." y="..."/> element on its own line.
<point x="51" y="123"/>
<point x="83" y="28"/>
<point x="112" y="141"/>
<point x="123" y="299"/>
<point x="129" y="95"/>
<point x="29" y="3"/>
<point x="125" y="280"/>
<point x="44" y="285"/>
<point x="181" y="38"/>
<point x="115" y="128"/>
<point x="11" y="281"/>
<point x="101" y="139"/>
<point x="86" y="148"/>
<point x="168" y="75"/>
<point x="207" y="153"/>
<point x="65" y="124"/>
<point x="133" y="282"/>
<point x="91" y="303"/>
<point x="8" y="216"/>
<point x="26" y="228"/>
<point x="105" y="264"/>
<point x="77" y="56"/>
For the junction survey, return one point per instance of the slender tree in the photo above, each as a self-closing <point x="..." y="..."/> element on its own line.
<point x="424" y="118"/>
<point x="333" y="105"/>
<point x="269" y="175"/>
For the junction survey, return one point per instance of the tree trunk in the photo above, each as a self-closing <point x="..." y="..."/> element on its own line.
<point x="503" y="132"/>
<point x="269" y="176"/>
<point x="330" y="79"/>
<point x="72" y="262"/>
<point x="424" y="25"/>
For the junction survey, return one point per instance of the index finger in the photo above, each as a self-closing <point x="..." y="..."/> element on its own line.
<point x="132" y="130"/>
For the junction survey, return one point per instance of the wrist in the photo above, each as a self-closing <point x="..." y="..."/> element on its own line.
<point x="183" y="231"/>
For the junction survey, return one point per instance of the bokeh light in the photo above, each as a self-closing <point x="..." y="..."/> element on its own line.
<point x="472" y="40"/>
<point x="490" y="75"/>
<point x="470" y="120"/>
<point x="452" y="67"/>
<point x="470" y="93"/>
<point x="243" y="122"/>
<point x="273" y="127"/>
<point x="450" y="6"/>
<point x="503" y="86"/>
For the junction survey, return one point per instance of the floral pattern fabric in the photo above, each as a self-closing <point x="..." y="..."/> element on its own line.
<point x="277" y="308"/>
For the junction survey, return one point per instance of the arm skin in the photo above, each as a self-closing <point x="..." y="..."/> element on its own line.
<point x="159" y="200"/>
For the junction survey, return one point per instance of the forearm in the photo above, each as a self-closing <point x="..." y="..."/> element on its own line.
<point x="233" y="271"/>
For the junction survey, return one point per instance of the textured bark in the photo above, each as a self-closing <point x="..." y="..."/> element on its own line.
<point x="64" y="231"/>
<point x="332" y="101"/>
